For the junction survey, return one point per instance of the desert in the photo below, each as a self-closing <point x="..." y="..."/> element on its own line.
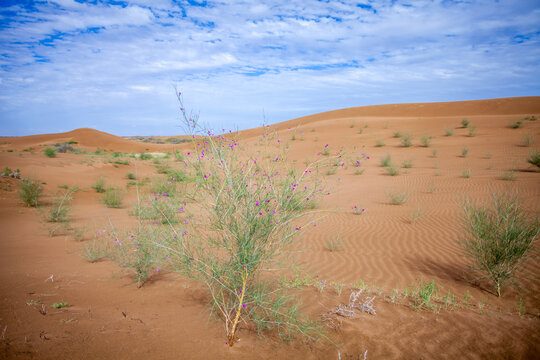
<point x="389" y="229"/>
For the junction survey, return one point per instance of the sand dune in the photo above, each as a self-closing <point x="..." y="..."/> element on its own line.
<point x="387" y="248"/>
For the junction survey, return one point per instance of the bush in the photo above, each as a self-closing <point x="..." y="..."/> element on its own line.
<point x="497" y="239"/>
<point x="145" y="156"/>
<point x="379" y="143"/>
<point x="30" y="192"/>
<point x="449" y="131"/>
<point x="406" y="140"/>
<point x="465" y="123"/>
<point x="60" y="208"/>
<point x="386" y="161"/>
<point x="393" y="170"/>
<point x="50" y="152"/>
<point x="99" y="185"/>
<point x="534" y="159"/>
<point x="515" y="124"/>
<point x="113" y="197"/>
<point x="426" y="140"/>
<point x="247" y="214"/>
<point x="464" y="151"/>
<point x="398" y="197"/>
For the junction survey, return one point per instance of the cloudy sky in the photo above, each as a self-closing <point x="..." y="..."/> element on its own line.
<point x="113" y="65"/>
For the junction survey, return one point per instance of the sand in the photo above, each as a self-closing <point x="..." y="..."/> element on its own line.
<point x="386" y="248"/>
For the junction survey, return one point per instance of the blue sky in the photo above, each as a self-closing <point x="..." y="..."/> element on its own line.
<point x="112" y="65"/>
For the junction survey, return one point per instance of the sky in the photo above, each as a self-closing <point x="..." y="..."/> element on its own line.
<point x="114" y="65"/>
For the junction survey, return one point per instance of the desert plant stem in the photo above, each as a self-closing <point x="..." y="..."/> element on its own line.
<point x="240" y="305"/>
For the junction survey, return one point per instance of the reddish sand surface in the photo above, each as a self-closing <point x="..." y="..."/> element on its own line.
<point x="386" y="248"/>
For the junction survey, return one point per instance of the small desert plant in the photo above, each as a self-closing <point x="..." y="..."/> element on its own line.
<point x="137" y="252"/>
<point x="392" y="170"/>
<point x="325" y="151"/>
<point x="357" y="210"/>
<point x="497" y="239"/>
<point x="464" y="151"/>
<point x="293" y="136"/>
<point x="534" y="159"/>
<point x="379" y="143"/>
<point x="99" y="185"/>
<point x="145" y="156"/>
<point x="423" y="294"/>
<point x="359" y="171"/>
<point x="406" y="140"/>
<point x="333" y="244"/>
<point x="60" y="208"/>
<point x="466" y="173"/>
<point x="398" y="197"/>
<point x="95" y="251"/>
<point x="449" y="131"/>
<point x="508" y="175"/>
<point x="407" y="164"/>
<point x="50" y="152"/>
<point x="398" y="134"/>
<point x="426" y="140"/>
<point x="527" y="140"/>
<point x="131" y="176"/>
<point x="472" y="130"/>
<point x="30" y="192"/>
<point x="415" y="215"/>
<point x="488" y="155"/>
<point x="113" y="197"/>
<point x="386" y="161"/>
<point x="435" y="152"/>
<point x="178" y="155"/>
<point x="465" y="123"/>
<point x="515" y="124"/>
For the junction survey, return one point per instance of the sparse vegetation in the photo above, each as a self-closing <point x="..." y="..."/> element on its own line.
<point x="60" y="207"/>
<point x="465" y="123"/>
<point x="534" y="159"/>
<point x="508" y="175"/>
<point x="406" y="140"/>
<point x="379" y="143"/>
<point x="113" y="197"/>
<point x="515" y="124"/>
<point x="472" y="130"/>
<point x="99" y="185"/>
<point x="50" y="152"/>
<point x="497" y="239"/>
<point x="386" y="161"/>
<point x="464" y="151"/>
<point x="466" y="173"/>
<point x="30" y="192"/>
<point x="527" y="140"/>
<point x="435" y="153"/>
<point x="407" y="164"/>
<point x="392" y="170"/>
<point x="426" y="140"/>
<point x="398" y="197"/>
<point x="449" y="131"/>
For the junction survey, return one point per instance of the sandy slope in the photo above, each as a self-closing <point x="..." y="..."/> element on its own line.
<point x="168" y="317"/>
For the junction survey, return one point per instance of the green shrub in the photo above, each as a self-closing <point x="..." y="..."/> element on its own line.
<point x="406" y="140"/>
<point x="131" y="176"/>
<point x="393" y="170"/>
<point x="527" y="140"/>
<point x="464" y="151"/>
<point x="426" y="140"/>
<point x="386" y="161"/>
<point x="245" y="220"/>
<point x="398" y="197"/>
<point x="407" y="164"/>
<point x="515" y="124"/>
<point x="113" y="197"/>
<point x="60" y="208"/>
<point x="497" y="238"/>
<point x="30" y="192"/>
<point x="145" y="156"/>
<point x="99" y="185"/>
<point x="50" y="152"/>
<point x="449" y="131"/>
<point x="534" y="159"/>
<point x="465" y="123"/>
